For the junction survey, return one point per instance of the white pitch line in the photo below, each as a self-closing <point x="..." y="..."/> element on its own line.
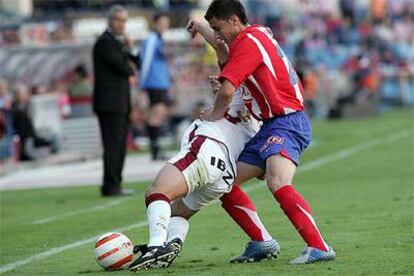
<point x="57" y="250"/>
<point x="337" y="156"/>
<point x="352" y="150"/>
<point x="80" y="212"/>
<point x="310" y="166"/>
<point x="98" y="207"/>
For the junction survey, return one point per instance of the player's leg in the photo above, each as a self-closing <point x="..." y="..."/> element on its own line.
<point x="179" y="226"/>
<point x="168" y="185"/>
<point x="288" y="137"/>
<point x="181" y="176"/>
<point x="175" y="180"/>
<point x="176" y="233"/>
<point x="184" y="208"/>
<point x="279" y="176"/>
<point x="243" y="211"/>
<point x="239" y="206"/>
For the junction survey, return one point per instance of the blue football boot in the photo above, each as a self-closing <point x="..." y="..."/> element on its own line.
<point x="257" y="251"/>
<point x="312" y="255"/>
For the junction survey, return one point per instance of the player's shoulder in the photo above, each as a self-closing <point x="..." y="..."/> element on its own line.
<point x="251" y="35"/>
<point x="258" y="30"/>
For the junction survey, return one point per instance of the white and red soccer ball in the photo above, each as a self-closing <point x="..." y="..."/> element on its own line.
<point x="114" y="251"/>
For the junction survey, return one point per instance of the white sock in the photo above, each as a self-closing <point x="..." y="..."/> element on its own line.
<point x="158" y="215"/>
<point x="178" y="228"/>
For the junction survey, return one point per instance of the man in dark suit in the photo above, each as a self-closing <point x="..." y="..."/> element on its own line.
<point x="113" y="55"/>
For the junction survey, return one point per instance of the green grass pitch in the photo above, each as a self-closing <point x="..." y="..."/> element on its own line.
<point x="362" y="198"/>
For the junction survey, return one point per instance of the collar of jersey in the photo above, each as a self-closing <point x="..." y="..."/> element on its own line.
<point x="241" y="35"/>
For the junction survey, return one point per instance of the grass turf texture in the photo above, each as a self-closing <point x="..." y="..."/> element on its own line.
<point x="363" y="205"/>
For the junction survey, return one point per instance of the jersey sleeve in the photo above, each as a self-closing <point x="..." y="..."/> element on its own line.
<point x="242" y="62"/>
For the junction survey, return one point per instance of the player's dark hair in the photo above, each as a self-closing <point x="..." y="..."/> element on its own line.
<point x="223" y="9"/>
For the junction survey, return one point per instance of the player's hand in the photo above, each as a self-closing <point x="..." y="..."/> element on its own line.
<point x="214" y="83"/>
<point x="193" y="27"/>
<point x="221" y="43"/>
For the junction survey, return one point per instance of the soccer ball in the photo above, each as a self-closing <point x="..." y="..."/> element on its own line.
<point x="114" y="251"/>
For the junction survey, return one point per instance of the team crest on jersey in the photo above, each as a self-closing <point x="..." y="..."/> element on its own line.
<point x="272" y="140"/>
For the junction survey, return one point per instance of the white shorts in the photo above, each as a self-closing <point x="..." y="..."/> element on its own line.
<point x="207" y="170"/>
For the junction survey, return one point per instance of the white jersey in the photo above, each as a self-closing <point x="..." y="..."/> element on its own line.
<point x="209" y="152"/>
<point x="233" y="135"/>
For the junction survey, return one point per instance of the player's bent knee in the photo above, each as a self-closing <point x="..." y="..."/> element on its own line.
<point x="275" y="182"/>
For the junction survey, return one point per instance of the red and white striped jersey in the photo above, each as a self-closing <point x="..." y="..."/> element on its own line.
<point x="257" y="61"/>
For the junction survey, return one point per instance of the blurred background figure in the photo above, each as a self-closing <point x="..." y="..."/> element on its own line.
<point x="6" y="123"/>
<point x="59" y="89"/>
<point x="155" y="80"/>
<point x="32" y="145"/>
<point x="355" y="59"/>
<point x="80" y="93"/>
<point x="112" y="54"/>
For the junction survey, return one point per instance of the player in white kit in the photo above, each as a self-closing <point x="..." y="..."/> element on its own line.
<point x="200" y="173"/>
<point x="209" y="152"/>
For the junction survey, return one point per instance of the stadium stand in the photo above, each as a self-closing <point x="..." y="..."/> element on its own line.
<point x="356" y="59"/>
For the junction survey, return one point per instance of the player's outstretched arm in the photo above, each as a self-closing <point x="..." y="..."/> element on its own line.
<point x="198" y="26"/>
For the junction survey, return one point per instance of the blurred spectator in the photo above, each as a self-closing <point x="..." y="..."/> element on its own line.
<point x="32" y="146"/>
<point x="310" y="87"/>
<point x="348" y="9"/>
<point x="155" y="80"/>
<point x="406" y="83"/>
<point x="38" y="89"/>
<point x="328" y="36"/>
<point x="349" y="47"/>
<point x="113" y="54"/>
<point x="6" y="124"/>
<point x="378" y="10"/>
<point x="80" y="93"/>
<point x="138" y="115"/>
<point x="59" y="89"/>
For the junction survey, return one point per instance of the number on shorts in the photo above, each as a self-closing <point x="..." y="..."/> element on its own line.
<point x="228" y="178"/>
<point x="220" y="164"/>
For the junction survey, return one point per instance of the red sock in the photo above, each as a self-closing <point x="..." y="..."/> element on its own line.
<point x="239" y="206"/>
<point x="299" y="213"/>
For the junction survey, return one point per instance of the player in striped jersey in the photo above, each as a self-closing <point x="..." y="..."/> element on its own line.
<point x="237" y="203"/>
<point x="256" y="60"/>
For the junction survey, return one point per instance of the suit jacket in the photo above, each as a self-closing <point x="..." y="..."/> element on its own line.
<point x="22" y="123"/>
<point x="112" y="71"/>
